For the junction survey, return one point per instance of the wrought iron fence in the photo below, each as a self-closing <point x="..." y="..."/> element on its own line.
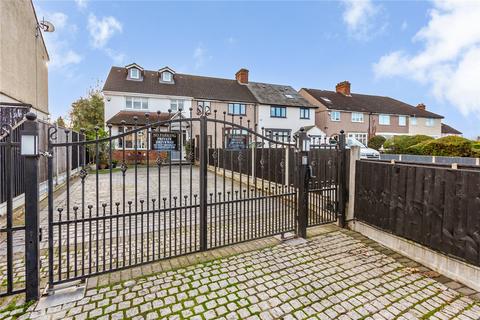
<point x="160" y="208"/>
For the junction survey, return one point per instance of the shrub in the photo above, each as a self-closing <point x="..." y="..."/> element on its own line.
<point x="476" y="149"/>
<point x="376" y="142"/>
<point x="400" y="144"/>
<point x="450" y="146"/>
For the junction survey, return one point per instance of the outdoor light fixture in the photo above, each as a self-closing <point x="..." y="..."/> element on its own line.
<point x="29" y="139"/>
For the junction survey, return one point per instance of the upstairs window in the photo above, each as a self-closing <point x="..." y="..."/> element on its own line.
<point x="384" y="119"/>
<point x="304" y="113"/>
<point x="278" y="112"/>
<point x="357" y="117"/>
<point x="402" y="121"/>
<point x="429" y="122"/>
<point x="335" y="115"/>
<point x="237" y="109"/>
<point x="167" y="76"/>
<point x="137" y="103"/>
<point x="134" y="73"/>
<point x="176" y="105"/>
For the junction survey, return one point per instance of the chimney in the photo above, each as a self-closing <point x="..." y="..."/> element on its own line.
<point x="242" y="76"/>
<point x="343" y="88"/>
<point x="421" y="106"/>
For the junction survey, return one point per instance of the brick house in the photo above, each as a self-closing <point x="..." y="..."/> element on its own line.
<point x="363" y="116"/>
<point x="130" y="90"/>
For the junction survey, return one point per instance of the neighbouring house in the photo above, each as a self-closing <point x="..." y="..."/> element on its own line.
<point x="362" y="116"/>
<point x="275" y="109"/>
<point x="450" y="131"/>
<point x="282" y="111"/>
<point x="23" y="62"/>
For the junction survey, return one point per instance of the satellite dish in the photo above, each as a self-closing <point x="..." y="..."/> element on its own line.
<point x="47" y="26"/>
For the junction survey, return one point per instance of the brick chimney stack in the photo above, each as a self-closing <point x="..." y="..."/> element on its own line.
<point x="343" y="88"/>
<point x="242" y="76"/>
<point x="421" y="106"/>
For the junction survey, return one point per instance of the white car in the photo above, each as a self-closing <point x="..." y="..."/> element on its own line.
<point x="365" y="152"/>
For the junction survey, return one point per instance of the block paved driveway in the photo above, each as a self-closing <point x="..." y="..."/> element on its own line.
<point x="334" y="275"/>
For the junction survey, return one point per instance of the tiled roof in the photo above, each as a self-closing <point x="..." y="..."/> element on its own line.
<point x="275" y="94"/>
<point x="449" y="130"/>
<point x="128" y="117"/>
<point x="367" y="103"/>
<point x="185" y="85"/>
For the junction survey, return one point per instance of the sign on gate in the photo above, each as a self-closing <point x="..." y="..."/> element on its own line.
<point x="165" y="141"/>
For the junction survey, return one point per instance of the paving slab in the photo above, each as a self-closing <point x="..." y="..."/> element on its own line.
<point x="332" y="275"/>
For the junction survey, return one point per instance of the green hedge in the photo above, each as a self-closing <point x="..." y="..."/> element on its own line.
<point x="400" y="144"/>
<point x="450" y="146"/>
<point x="376" y="142"/>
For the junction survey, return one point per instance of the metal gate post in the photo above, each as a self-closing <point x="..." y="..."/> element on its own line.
<point x="29" y="149"/>
<point x="203" y="154"/>
<point x="342" y="179"/>
<point x="51" y="132"/>
<point x="302" y="184"/>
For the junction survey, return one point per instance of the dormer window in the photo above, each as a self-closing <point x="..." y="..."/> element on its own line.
<point x="166" y="76"/>
<point x="134" y="74"/>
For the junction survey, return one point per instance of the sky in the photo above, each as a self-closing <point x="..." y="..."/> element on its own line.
<point x="414" y="51"/>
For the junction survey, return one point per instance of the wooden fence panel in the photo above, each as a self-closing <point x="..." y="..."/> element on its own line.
<point x="437" y="207"/>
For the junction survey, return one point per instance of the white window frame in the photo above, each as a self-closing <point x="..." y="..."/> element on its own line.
<point x="430" y="122"/>
<point x="170" y="76"/>
<point x="304" y="113"/>
<point x="357" y="117"/>
<point x="360" y="136"/>
<point x="143" y="102"/>
<point x="384" y="117"/>
<point x="402" y="123"/>
<point x="237" y="109"/>
<point x="413" y="121"/>
<point x="131" y="76"/>
<point x="333" y="118"/>
<point x="175" y="104"/>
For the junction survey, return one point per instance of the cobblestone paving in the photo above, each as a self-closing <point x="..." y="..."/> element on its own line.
<point x="335" y="275"/>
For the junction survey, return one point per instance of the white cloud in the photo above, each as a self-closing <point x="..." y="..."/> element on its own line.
<point x="117" y="57"/>
<point x="101" y="30"/>
<point x="81" y="4"/>
<point x="449" y="61"/>
<point x="59" y="19"/>
<point x="362" y="18"/>
<point x="59" y="42"/>
<point x="200" y="56"/>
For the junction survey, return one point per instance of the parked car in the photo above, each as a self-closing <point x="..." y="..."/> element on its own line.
<point x="365" y="153"/>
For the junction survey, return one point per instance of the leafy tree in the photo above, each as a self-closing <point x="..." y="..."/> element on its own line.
<point x="87" y="113"/>
<point x="60" y="122"/>
<point x="376" y="142"/>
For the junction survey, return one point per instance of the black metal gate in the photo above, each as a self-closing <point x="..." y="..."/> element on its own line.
<point x="325" y="187"/>
<point x="134" y="204"/>
<point x="10" y="163"/>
